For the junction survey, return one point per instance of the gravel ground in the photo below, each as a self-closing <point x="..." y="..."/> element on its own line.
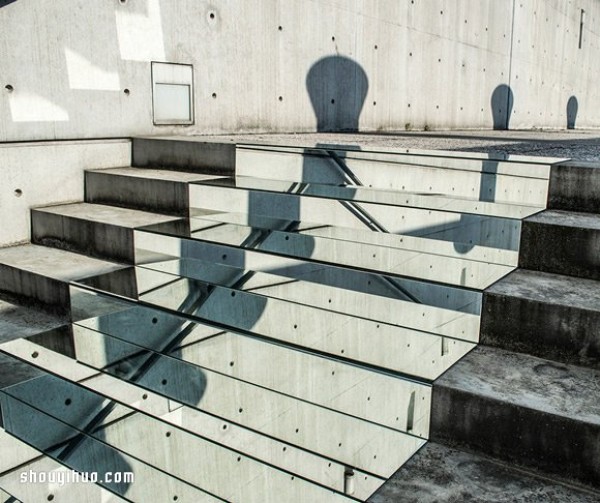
<point x="581" y="145"/>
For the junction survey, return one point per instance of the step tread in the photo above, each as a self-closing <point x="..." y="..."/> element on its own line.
<point x="156" y="173"/>
<point x="567" y="219"/>
<point x="550" y="288"/>
<point x="526" y="381"/>
<point x="114" y="215"/>
<point x="54" y="263"/>
<point x="439" y="473"/>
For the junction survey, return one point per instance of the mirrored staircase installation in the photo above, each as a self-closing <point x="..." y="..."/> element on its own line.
<point x="279" y="341"/>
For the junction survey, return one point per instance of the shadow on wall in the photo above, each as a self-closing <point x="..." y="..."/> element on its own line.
<point x="502" y="105"/>
<point x="572" y="107"/>
<point x="4" y="3"/>
<point x="337" y="87"/>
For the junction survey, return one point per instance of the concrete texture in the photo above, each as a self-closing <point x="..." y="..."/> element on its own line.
<point x="93" y="229"/>
<point x="307" y="65"/>
<point x="159" y="190"/>
<point x="581" y="145"/>
<point x="215" y="158"/>
<point x="523" y="410"/>
<point x="575" y="186"/>
<point x="548" y="315"/>
<point x="440" y="474"/>
<point x="563" y="243"/>
<point x="41" y="274"/>
<point x="37" y="174"/>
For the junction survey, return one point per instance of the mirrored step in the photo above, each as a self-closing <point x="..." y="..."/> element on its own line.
<point x="144" y="446"/>
<point x="365" y="256"/>
<point x="347" y="191"/>
<point x="516" y="179"/>
<point x="346" y="438"/>
<point x="408" y="351"/>
<point x="27" y="475"/>
<point x="59" y="435"/>
<point x="172" y="243"/>
<point x="400" y="241"/>
<point x="323" y="471"/>
<point x="350" y="389"/>
<point x="464" y="230"/>
<point x="408" y="312"/>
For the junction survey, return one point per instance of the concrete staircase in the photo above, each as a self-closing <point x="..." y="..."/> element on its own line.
<point x="529" y="395"/>
<point x="352" y="288"/>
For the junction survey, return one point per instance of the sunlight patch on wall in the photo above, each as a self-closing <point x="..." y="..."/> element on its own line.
<point x="30" y="107"/>
<point x="83" y="74"/>
<point x="140" y="34"/>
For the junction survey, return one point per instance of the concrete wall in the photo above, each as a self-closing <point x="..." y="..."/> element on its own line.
<point x="37" y="174"/>
<point x="387" y="64"/>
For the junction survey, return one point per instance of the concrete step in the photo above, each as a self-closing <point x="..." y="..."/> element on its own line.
<point x="522" y="410"/>
<point x="185" y="153"/>
<point x="40" y="274"/>
<point x="575" y="186"/>
<point x="562" y="242"/>
<point x="439" y="473"/>
<point x="161" y="190"/>
<point x="547" y="315"/>
<point x="94" y="229"/>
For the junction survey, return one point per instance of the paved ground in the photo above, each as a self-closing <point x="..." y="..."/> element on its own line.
<point x="574" y="144"/>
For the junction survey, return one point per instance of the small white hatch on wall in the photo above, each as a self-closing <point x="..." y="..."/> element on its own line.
<point x="172" y="93"/>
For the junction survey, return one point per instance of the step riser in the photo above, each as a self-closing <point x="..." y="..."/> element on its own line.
<point x="562" y="333"/>
<point x="51" y="293"/>
<point x="528" y="437"/>
<point x="203" y="157"/>
<point x="91" y="238"/>
<point x="571" y="251"/>
<point x="161" y="196"/>
<point x="575" y="187"/>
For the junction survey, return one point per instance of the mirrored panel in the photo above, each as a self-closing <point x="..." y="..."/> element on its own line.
<point x="347" y="191"/>
<point x="306" y="425"/>
<point x="161" y="244"/>
<point x="406" y="350"/>
<point x="463" y="229"/>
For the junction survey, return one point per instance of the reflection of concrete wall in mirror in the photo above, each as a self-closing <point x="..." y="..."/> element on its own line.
<point x="572" y="109"/>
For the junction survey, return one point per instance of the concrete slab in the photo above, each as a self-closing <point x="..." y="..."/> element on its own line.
<point x="562" y="242"/>
<point x="56" y="264"/>
<point x="547" y="315"/>
<point x="159" y="190"/>
<point x="157" y="173"/>
<point x="191" y="154"/>
<point x="523" y="410"/>
<point x="96" y="230"/>
<point x="123" y="217"/>
<point x="550" y="288"/>
<point x="438" y="473"/>
<point x="575" y="186"/>
<point x="39" y="273"/>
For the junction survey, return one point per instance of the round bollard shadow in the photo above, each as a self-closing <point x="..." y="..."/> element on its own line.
<point x="502" y="105"/>
<point x="337" y="87"/>
<point x="572" y="108"/>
